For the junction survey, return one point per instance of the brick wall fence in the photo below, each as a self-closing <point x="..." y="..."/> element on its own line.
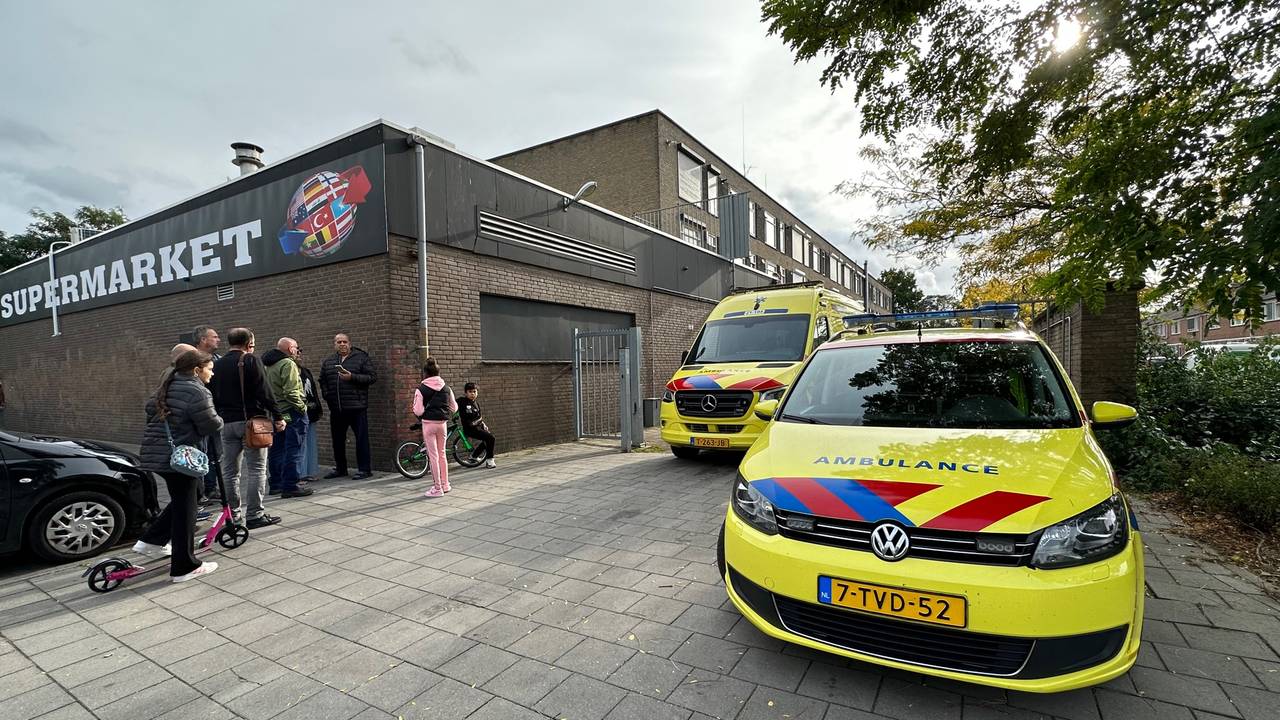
<point x="92" y="381"/>
<point x="1099" y="349"/>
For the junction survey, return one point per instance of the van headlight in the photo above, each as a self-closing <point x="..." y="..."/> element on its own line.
<point x="668" y="396"/>
<point x="1095" y="534"/>
<point x="753" y="507"/>
<point x="774" y="394"/>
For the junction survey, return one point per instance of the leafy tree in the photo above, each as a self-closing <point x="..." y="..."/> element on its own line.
<point x="48" y="227"/>
<point x="907" y="297"/>
<point x="1147" y="143"/>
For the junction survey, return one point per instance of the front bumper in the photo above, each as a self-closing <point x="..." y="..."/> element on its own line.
<point x="680" y="430"/>
<point x="1030" y="630"/>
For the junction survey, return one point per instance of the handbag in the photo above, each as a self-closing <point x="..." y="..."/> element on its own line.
<point x="186" y="459"/>
<point x="259" y="431"/>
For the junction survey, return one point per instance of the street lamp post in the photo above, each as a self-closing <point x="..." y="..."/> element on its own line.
<point x="53" y="281"/>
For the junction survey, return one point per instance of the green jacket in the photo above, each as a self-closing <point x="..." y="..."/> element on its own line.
<point x="285" y="384"/>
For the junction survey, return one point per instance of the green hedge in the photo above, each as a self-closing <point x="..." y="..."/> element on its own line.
<point x="1211" y="433"/>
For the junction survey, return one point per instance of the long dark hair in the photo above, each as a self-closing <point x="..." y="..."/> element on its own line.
<point x="431" y="368"/>
<point x="186" y="363"/>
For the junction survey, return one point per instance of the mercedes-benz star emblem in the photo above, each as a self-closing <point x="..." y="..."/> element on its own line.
<point x="708" y="403"/>
<point x="890" y="542"/>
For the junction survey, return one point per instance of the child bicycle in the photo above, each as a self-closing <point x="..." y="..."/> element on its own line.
<point x="411" y="456"/>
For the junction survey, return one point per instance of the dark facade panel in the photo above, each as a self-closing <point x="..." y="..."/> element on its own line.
<point x="529" y="330"/>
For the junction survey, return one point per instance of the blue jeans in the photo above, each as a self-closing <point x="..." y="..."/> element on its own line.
<point x="286" y="448"/>
<point x="309" y="460"/>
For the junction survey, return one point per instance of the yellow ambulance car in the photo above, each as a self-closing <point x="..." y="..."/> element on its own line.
<point x="935" y="500"/>
<point x="748" y="351"/>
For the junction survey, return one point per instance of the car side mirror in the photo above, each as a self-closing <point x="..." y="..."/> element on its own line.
<point x="684" y="355"/>
<point x="765" y="409"/>
<point x="1111" y="415"/>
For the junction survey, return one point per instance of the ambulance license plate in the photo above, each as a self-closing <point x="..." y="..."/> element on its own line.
<point x="895" y="602"/>
<point x="711" y="442"/>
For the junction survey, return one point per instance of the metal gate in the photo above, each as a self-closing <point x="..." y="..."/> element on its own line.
<point x="606" y="386"/>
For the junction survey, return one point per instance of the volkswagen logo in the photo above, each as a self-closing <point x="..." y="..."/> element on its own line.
<point x="708" y="403"/>
<point x="890" y="542"/>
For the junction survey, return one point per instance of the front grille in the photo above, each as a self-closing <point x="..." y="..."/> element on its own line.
<point x="905" y="641"/>
<point x="946" y="545"/>
<point x="728" y="403"/>
<point x="729" y="429"/>
<point x="703" y="427"/>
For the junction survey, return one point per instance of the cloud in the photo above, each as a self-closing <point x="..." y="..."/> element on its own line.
<point x="433" y="56"/>
<point x="18" y="133"/>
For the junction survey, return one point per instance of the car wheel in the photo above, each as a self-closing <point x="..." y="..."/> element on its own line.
<point x="684" y="453"/>
<point x="75" y="526"/>
<point x="720" y="563"/>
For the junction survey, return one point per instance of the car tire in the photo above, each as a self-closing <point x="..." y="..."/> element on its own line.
<point x="87" y="521"/>
<point x="720" y="563"/>
<point x="684" y="453"/>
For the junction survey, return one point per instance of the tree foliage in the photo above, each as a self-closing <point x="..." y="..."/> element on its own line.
<point x="47" y="227"/>
<point x="1149" y="144"/>
<point x="907" y="297"/>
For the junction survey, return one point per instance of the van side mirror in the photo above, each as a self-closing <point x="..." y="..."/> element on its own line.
<point x="765" y="409"/>
<point x="1109" y="415"/>
<point x="684" y="355"/>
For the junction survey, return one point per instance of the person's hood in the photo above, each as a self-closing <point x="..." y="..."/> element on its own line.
<point x="435" y="383"/>
<point x="273" y="356"/>
<point x="354" y="351"/>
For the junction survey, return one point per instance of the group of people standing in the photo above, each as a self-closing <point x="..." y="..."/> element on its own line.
<point x="218" y="403"/>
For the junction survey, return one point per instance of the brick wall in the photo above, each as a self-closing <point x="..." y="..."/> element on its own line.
<point x="1099" y="349"/>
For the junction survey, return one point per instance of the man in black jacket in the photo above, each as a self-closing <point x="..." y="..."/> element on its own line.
<point x="345" y="377"/>
<point x="235" y="404"/>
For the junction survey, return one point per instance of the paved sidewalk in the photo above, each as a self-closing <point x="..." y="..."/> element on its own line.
<point x="571" y="582"/>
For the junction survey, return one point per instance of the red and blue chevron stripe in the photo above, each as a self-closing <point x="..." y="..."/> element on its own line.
<point x="877" y="500"/>
<point x="711" y="381"/>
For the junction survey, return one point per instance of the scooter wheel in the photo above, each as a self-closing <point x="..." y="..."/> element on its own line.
<point x="233" y="536"/>
<point x="98" y="580"/>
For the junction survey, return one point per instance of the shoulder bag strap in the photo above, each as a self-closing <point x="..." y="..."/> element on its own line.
<point x="169" y="434"/>
<point x="243" y="400"/>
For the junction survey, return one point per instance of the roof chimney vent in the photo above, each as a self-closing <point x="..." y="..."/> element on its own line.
<point x="248" y="157"/>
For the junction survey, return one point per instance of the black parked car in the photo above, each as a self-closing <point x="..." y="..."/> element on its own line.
<point x="69" y="499"/>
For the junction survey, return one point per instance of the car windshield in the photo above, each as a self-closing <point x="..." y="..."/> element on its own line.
<point x="969" y="384"/>
<point x="752" y="339"/>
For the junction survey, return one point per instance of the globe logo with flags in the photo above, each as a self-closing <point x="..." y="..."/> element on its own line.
<point x="322" y="213"/>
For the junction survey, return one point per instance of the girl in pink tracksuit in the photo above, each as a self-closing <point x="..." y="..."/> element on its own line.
<point x="434" y="404"/>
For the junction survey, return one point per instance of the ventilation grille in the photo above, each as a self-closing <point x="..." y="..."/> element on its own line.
<point x="226" y="292"/>
<point x="498" y="228"/>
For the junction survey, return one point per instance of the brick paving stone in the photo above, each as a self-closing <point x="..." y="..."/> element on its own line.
<point x="1211" y="665"/>
<point x="840" y="685"/>
<point x="459" y="618"/>
<point x="93" y="668"/>
<point x="34" y="703"/>
<point x="580" y="698"/>
<point x="396" y="636"/>
<point x="477" y="665"/>
<point x="1121" y="706"/>
<point x="605" y="625"/>
<point x="394" y="687"/>
<point x="768" y="703"/>
<point x="75" y="711"/>
<point x="901" y="699"/>
<point x="500" y="709"/>
<point x="595" y="658"/>
<point x="1267" y="672"/>
<point x="446" y="699"/>
<point x="435" y="649"/>
<point x="709" y="653"/>
<point x="267" y="701"/>
<point x="711" y="693"/>
<point x="351" y="671"/>
<point x="58" y="657"/>
<point x="122" y="683"/>
<point x="771" y="669"/>
<point x="708" y="621"/>
<point x="328" y="704"/>
<point x="1181" y="690"/>
<point x="526" y="682"/>
<point x="155" y="700"/>
<point x="1237" y="642"/>
<point x="1174" y="610"/>
<point x="638" y="707"/>
<point x="978" y="709"/>
<point x="1253" y="704"/>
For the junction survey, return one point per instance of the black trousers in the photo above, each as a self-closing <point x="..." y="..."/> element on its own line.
<point x="176" y="524"/>
<point x="484" y="436"/>
<point x="339" y="422"/>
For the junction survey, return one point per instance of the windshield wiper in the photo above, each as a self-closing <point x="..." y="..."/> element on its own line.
<point x="801" y="418"/>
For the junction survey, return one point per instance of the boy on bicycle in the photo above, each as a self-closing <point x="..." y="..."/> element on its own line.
<point x="473" y="425"/>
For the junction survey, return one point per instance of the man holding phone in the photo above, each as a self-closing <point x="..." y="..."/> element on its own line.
<point x="345" y="377"/>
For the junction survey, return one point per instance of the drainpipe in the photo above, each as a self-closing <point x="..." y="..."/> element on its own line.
<point x="53" y="280"/>
<point x="418" y="142"/>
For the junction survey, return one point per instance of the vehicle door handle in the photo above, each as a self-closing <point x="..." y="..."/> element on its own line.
<point x="24" y="481"/>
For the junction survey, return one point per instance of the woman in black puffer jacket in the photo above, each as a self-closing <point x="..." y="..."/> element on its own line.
<point x="183" y="401"/>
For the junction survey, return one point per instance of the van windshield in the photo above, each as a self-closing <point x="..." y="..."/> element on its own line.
<point x="752" y="339"/>
<point x="969" y="384"/>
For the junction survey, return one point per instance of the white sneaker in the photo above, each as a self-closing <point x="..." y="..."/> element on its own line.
<point x="148" y="549"/>
<point x="491" y="463"/>
<point x="204" y="569"/>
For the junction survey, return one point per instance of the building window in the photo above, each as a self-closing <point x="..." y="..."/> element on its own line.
<point x="770" y="269"/>
<point x="713" y="192"/>
<point x="1271" y="311"/>
<point x="1193" y="325"/>
<point x="751" y="218"/>
<point x="1160" y="330"/>
<point x="799" y="245"/>
<point x="770" y="230"/>
<point x="1177" y="328"/>
<point x="690" y="181"/>
<point x="692" y="231"/>
<point x="1237" y="320"/>
<point x="1212" y="323"/>
<point x="797" y="276"/>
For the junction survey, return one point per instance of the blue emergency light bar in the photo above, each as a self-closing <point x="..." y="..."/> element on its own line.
<point x="1003" y="312"/>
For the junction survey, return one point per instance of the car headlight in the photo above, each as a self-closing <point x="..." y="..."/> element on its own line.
<point x="1097" y="533"/>
<point x="753" y="507"/>
<point x="668" y="396"/>
<point x="774" y="394"/>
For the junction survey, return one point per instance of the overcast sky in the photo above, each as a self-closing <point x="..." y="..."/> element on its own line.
<point x="134" y="104"/>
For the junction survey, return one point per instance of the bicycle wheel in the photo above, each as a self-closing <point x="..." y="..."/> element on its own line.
<point x="411" y="460"/>
<point x="467" y="457"/>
